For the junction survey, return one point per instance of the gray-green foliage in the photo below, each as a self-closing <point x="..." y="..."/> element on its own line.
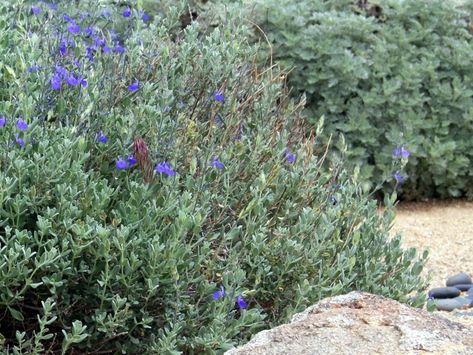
<point x="99" y="259"/>
<point x="387" y="74"/>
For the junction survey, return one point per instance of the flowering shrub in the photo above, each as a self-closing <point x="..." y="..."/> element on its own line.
<point x="165" y="197"/>
<point x="384" y="74"/>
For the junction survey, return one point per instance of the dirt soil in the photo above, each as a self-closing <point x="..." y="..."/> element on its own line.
<point x="445" y="228"/>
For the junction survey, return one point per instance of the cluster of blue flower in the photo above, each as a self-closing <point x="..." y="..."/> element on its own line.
<point x="79" y="31"/>
<point x="241" y="302"/>
<point x="93" y="40"/>
<point x="400" y="153"/>
<point x="20" y="125"/>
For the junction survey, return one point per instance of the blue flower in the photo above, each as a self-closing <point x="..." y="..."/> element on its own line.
<point x="61" y="71"/>
<point x="218" y="96"/>
<point x="84" y="83"/>
<point x="145" y="17"/>
<point x="63" y="48"/>
<point x="121" y="164"/>
<point x="291" y="158"/>
<point x="165" y="168"/>
<point x="72" y="80"/>
<point x="399" y="178"/>
<point x="216" y="163"/>
<point x="127" y="13"/>
<point x="241" y="302"/>
<point x="90" y="54"/>
<point x="101" y="137"/>
<point x="56" y="82"/>
<point x="3" y="121"/>
<point x="219" y="294"/>
<point x="19" y="141"/>
<point x="67" y="18"/>
<point x="119" y="49"/>
<point x="73" y="28"/>
<point x="52" y="6"/>
<point x="133" y="87"/>
<point x="99" y="41"/>
<point x="89" y="31"/>
<point x="22" y="125"/>
<point x="106" y="49"/>
<point x="131" y="160"/>
<point x="36" y="10"/>
<point x="33" y="68"/>
<point x="401" y="152"/>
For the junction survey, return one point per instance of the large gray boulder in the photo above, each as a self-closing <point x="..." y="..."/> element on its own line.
<point x="362" y="323"/>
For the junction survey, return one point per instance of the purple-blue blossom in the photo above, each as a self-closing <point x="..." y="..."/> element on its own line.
<point x="73" y="28"/>
<point x="119" y="49"/>
<point x="33" y="68"/>
<point x="399" y="178"/>
<point x="121" y="164"/>
<point x="216" y="163"/>
<point x="21" y="125"/>
<point x="290" y="158"/>
<point x="241" y="302"/>
<point x="35" y="10"/>
<point x="61" y="71"/>
<point x="3" y="121"/>
<point x="401" y="152"/>
<point x="219" y="294"/>
<point x="56" y="82"/>
<point x="101" y="137"/>
<point x="72" y="80"/>
<point x="165" y="168"/>
<point x="106" y="49"/>
<point x="134" y="86"/>
<point x="127" y="13"/>
<point x="218" y="96"/>
<point x="131" y="160"/>
<point x="63" y="48"/>
<point x="67" y="18"/>
<point x="52" y="6"/>
<point x="89" y="31"/>
<point x="19" y="141"/>
<point x="99" y="41"/>
<point x="145" y="17"/>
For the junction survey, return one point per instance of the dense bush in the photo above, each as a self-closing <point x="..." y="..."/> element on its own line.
<point x="385" y="74"/>
<point x="158" y="194"/>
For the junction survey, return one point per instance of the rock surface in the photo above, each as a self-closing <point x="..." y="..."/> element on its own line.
<point x="361" y="323"/>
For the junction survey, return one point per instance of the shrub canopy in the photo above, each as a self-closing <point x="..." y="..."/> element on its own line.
<point x="159" y="194"/>
<point x="386" y="75"/>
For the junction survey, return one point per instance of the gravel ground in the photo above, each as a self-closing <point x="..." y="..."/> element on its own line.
<point x="445" y="228"/>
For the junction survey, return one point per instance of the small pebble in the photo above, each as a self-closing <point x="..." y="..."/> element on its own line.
<point x="470" y="292"/>
<point x="463" y="287"/>
<point x="447" y="304"/>
<point x="457" y="279"/>
<point x="444" y="292"/>
<point x="464" y="314"/>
